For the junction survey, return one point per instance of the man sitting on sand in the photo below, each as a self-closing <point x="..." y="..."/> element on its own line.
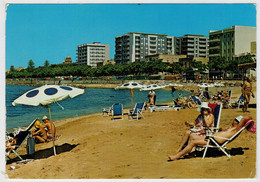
<point x="44" y="132"/>
<point x="51" y="129"/>
<point x="196" y="140"/>
<point x="40" y="134"/>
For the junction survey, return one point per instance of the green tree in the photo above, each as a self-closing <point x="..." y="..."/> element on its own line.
<point x="31" y="65"/>
<point x="12" y="68"/>
<point x="46" y="63"/>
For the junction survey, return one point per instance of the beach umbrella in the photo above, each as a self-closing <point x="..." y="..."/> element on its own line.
<point x="173" y="85"/>
<point x="130" y="85"/>
<point x="216" y="84"/>
<point x="47" y="94"/>
<point x="151" y="87"/>
<point x="205" y="85"/>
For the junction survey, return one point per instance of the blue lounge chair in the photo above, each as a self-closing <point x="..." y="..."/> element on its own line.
<point x="117" y="110"/>
<point x="238" y="103"/>
<point x="196" y="100"/>
<point x="137" y="111"/>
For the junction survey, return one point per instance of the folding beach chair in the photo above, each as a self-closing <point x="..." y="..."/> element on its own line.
<point x="117" y="110"/>
<point x="229" y="99"/>
<point x="107" y="111"/>
<point x="196" y="100"/>
<point x="20" y="138"/>
<point x="212" y="143"/>
<point x="239" y="102"/>
<point x="137" y="111"/>
<point x="217" y="115"/>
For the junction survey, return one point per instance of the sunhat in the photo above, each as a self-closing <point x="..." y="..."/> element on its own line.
<point x="204" y="105"/>
<point x="37" y="124"/>
<point x="238" y="119"/>
<point x="44" y="117"/>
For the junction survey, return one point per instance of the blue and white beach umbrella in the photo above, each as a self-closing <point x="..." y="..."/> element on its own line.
<point x="151" y="87"/>
<point x="47" y="94"/>
<point x="173" y="85"/>
<point x="130" y="85"/>
<point x="205" y="85"/>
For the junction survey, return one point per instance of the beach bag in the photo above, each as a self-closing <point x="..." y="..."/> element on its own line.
<point x="30" y="147"/>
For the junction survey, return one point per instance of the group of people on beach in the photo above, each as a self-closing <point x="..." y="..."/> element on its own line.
<point x="197" y="137"/>
<point x="42" y="133"/>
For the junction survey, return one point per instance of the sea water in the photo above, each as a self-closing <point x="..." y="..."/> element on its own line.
<point x="92" y="101"/>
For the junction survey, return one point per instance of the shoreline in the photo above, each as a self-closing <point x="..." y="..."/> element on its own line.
<point x="96" y="147"/>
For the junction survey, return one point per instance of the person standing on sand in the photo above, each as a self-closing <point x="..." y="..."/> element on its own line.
<point x="246" y="92"/>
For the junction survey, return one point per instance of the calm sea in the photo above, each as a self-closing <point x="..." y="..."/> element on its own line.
<point x="92" y="101"/>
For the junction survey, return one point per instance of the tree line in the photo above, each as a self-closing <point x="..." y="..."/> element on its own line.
<point x="136" y="68"/>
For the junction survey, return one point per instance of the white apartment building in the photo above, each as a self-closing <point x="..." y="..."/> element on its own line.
<point x="92" y="54"/>
<point x="133" y="46"/>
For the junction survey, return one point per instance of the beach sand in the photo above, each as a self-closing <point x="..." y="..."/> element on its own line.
<point x="96" y="147"/>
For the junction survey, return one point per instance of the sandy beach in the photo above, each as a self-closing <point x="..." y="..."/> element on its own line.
<point x="96" y="147"/>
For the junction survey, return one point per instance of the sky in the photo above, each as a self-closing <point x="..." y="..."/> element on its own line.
<point x="53" y="31"/>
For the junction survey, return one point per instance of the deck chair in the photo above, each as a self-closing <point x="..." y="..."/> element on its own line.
<point x="238" y="103"/>
<point x="137" y="111"/>
<point x="106" y="111"/>
<point x="117" y="110"/>
<point x="217" y="115"/>
<point x="21" y="137"/>
<point x="196" y="100"/>
<point x="229" y="99"/>
<point x="212" y="143"/>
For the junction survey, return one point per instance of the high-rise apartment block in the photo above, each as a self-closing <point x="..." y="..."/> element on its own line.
<point x="92" y="54"/>
<point x="193" y="45"/>
<point x="133" y="47"/>
<point x="231" y="42"/>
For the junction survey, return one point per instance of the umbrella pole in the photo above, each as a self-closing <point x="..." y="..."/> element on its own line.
<point x="53" y="137"/>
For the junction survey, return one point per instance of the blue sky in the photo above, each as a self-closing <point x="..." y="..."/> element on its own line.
<point x="51" y="32"/>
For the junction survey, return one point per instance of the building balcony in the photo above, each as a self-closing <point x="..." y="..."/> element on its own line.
<point x="201" y="45"/>
<point x="214" y="40"/>
<point x="214" y="55"/>
<point x="215" y="47"/>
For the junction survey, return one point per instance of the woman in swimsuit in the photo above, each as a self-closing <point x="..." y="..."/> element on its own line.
<point x="196" y="140"/>
<point x="205" y="119"/>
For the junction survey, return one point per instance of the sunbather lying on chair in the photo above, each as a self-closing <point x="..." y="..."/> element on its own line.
<point x="196" y="140"/>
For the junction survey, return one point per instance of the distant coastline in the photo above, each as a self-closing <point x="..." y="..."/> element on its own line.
<point x="112" y="83"/>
